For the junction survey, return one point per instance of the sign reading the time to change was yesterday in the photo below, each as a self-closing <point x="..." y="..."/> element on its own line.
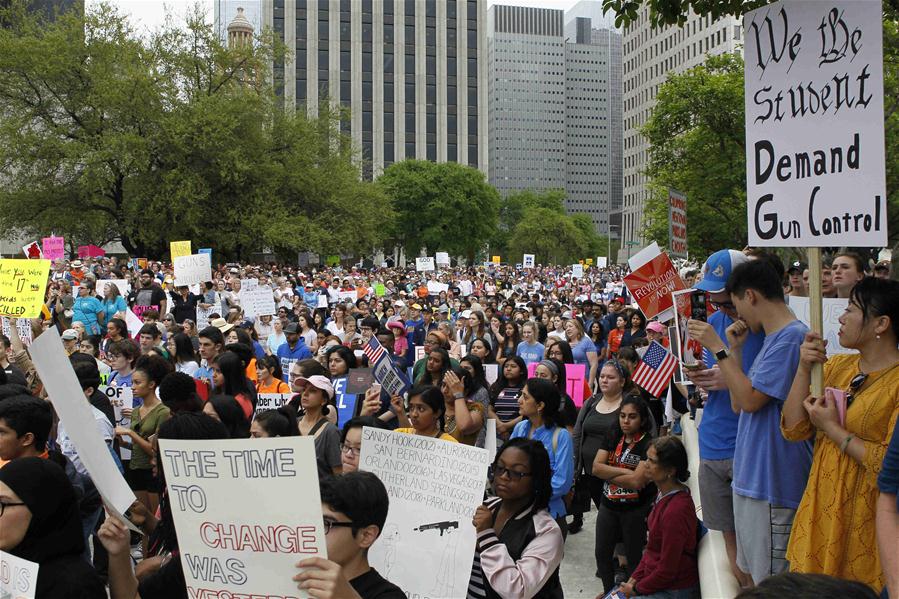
<point x="815" y="168"/>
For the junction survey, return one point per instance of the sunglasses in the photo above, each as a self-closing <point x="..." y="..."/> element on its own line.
<point x="854" y="385"/>
<point x="723" y="305"/>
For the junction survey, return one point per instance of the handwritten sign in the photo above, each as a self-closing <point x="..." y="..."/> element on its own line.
<point x="23" y="284"/>
<point x="833" y="308"/>
<point x="443" y="258"/>
<point x="434" y="488"/>
<point x="54" y="248"/>
<point x="527" y="261"/>
<point x="18" y="577"/>
<point x="229" y="546"/>
<point x="577" y="271"/>
<point x="179" y="248"/>
<point x="122" y="285"/>
<point x="602" y="261"/>
<point x="192" y="269"/>
<point x="436" y="287"/>
<point x="272" y="401"/>
<point x="424" y="264"/>
<point x="23" y="329"/>
<point x="815" y="167"/>
<point x="677" y="224"/>
<point x="258" y="302"/>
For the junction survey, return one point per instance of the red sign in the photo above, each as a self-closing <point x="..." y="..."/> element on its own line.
<point x="90" y="251"/>
<point x="652" y="285"/>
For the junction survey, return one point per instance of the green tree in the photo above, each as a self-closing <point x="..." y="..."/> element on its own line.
<point x="175" y="136"/>
<point x="513" y="208"/>
<point x="696" y="134"/>
<point x="440" y="207"/>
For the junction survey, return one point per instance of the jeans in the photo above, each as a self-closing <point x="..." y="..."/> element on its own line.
<point x="88" y="526"/>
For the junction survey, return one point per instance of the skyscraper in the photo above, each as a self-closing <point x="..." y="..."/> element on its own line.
<point x="412" y="73"/>
<point x="555" y="107"/>
<point x="650" y="54"/>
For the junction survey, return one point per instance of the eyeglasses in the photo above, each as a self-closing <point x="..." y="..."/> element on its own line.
<point x="723" y="305"/>
<point x="502" y="472"/>
<point x="4" y="505"/>
<point x="353" y="451"/>
<point x="329" y="524"/>
<point x="854" y="385"/>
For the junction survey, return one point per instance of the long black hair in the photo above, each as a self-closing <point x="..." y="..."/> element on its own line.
<point x="281" y="422"/>
<point x="478" y="378"/>
<point x="546" y="392"/>
<point x="565" y="348"/>
<point x="425" y="378"/>
<point x="541" y="471"/>
<point x="642" y="409"/>
<point x="501" y="382"/>
<point x="184" y="348"/>
<point x="231" y="415"/>
<point x="433" y="397"/>
<point x="346" y="355"/>
<point x="234" y="373"/>
<point x="877" y="297"/>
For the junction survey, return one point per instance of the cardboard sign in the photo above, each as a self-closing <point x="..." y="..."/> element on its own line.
<point x="527" y="261"/>
<point x="23" y="329"/>
<point x="54" y="248"/>
<point x="602" y="261"/>
<point x="258" y="302"/>
<point x="443" y="259"/>
<point x="229" y="544"/>
<point x="75" y="412"/>
<point x="577" y="271"/>
<point x="33" y="251"/>
<point x="815" y="166"/>
<point x="496" y="259"/>
<point x="434" y="488"/>
<point x="832" y="309"/>
<point x="436" y="287"/>
<point x="424" y="264"/>
<point x="18" y="577"/>
<point x="192" y="269"/>
<point x="23" y="284"/>
<point x="344" y="400"/>
<point x="575" y="375"/>
<point x="359" y="380"/>
<point x="120" y="397"/>
<point x="652" y="283"/>
<point x="179" y="248"/>
<point x="272" y="401"/>
<point x="677" y="224"/>
<point x="123" y="286"/>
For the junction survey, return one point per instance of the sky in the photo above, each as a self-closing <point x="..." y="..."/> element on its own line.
<point x="147" y="15"/>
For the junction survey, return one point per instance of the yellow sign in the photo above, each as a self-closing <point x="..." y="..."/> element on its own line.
<point x="180" y="248"/>
<point x="23" y="284"/>
<point x="589" y="261"/>
<point x="496" y="259"/>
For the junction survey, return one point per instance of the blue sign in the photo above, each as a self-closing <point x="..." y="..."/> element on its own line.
<point x="345" y="402"/>
<point x="393" y="380"/>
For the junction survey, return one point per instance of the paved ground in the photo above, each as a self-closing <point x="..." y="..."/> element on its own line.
<point x="579" y="566"/>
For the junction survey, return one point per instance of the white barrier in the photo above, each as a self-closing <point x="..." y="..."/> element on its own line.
<point x="715" y="577"/>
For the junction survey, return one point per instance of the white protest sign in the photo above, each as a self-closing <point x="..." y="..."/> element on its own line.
<point x="229" y="546"/>
<point x="18" y="577"/>
<point x="249" y="284"/>
<point x="134" y="323"/>
<point x="203" y="315"/>
<point x="322" y="301"/>
<point x="75" y="412"/>
<point x="192" y="269"/>
<point x="271" y="401"/>
<point x="527" y="261"/>
<point x="577" y="271"/>
<point x="443" y="259"/>
<point x="602" y="261"/>
<point x="424" y="264"/>
<point x="120" y="397"/>
<point x="434" y="488"/>
<point x="122" y="285"/>
<point x="262" y="300"/>
<point x="436" y="287"/>
<point x="832" y="309"/>
<point x="490" y="440"/>
<point x="23" y="328"/>
<point x="815" y="167"/>
<point x="491" y="372"/>
<point x="343" y="296"/>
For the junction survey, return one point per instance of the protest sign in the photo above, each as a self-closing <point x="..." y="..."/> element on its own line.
<point x="833" y="308"/>
<point x="496" y="259"/>
<point x="192" y="269"/>
<point x="491" y="372"/>
<point x="271" y="401"/>
<point x="652" y="282"/>
<point x="258" y="302"/>
<point x="345" y="401"/>
<point x="120" y="397"/>
<point x="577" y="271"/>
<point x="575" y="375"/>
<point x="18" y="577"/>
<point x="434" y="488"/>
<point x="322" y="301"/>
<point x="75" y="412"/>
<point x="33" y="251"/>
<point x="122" y="285"/>
<point x="424" y="264"/>
<point x="90" y="251"/>
<point x="527" y="261"/>
<point x="344" y="296"/>
<point x="677" y="224"/>
<point x="179" y="248"/>
<point x="203" y="315"/>
<point x="205" y="251"/>
<point x="602" y="261"/>
<point x="23" y="284"/>
<point x="23" y="329"/>
<point x="228" y="545"/>
<point x="443" y="259"/>
<point x="54" y="247"/>
<point x="436" y="287"/>
<point x="815" y="167"/>
<point x="249" y="284"/>
<point x="380" y="290"/>
<point x="133" y="321"/>
<point x="142" y="263"/>
<point x="359" y="380"/>
<point x="392" y="379"/>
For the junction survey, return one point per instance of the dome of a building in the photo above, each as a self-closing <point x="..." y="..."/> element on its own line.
<point x="240" y="24"/>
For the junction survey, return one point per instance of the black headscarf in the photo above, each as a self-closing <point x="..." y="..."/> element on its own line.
<point x="55" y="527"/>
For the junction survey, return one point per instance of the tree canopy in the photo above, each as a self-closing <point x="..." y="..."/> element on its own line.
<point x="109" y="136"/>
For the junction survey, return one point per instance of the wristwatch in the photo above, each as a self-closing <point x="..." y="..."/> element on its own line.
<point x="722" y="354"/>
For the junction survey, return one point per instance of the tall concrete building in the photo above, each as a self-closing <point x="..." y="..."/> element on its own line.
<point x="650" y="54"/>
<point x="555" y="107"/>
<point x="413" y="73"/>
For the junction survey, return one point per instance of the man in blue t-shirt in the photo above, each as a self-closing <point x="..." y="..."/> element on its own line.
<point x="769" y="472"/>
<point x="718" y="429"/>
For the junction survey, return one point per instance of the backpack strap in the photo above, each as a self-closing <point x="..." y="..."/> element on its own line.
<point x="321" y="422"/>
<point x="556" y="440"/>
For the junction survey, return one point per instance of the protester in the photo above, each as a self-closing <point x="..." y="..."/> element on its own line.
<point x="351" y="440"/>
<point x="504" y="396"/>
<point x="280" y="422"/>
<point x="114" y="305"/>
<point x="181" y="349"/>
<point x="466" y="410"/>
<point x="583" y="350"/>
<point x="425" y="414"/>
<point x="316" y="396"/>
<point x="806" y="586"/>
<point x="636" y="329"/>
<point x="887" y="519"/>
<point x="269" y="378"/>
<point x="519" y="545"/>
<point x="847" y="269"/>
<point x="834" y="528"/>
<point x="228" y="411"/>
<point x="554" y="371"/>
<point x="229" y="378"/>
<point x="529" y="350"/>
<point x="88" y="310"/>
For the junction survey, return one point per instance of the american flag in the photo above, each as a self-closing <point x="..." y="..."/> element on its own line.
<point x="655" y="369"/>
<point x="373" y="351"/>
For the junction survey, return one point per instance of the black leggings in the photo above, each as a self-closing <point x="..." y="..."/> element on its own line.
<point x="612" y="526"/>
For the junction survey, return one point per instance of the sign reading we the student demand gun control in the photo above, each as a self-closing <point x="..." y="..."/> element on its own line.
<point x="434" y="488"/>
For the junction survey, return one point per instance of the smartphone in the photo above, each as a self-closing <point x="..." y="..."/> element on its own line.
<point x="698" y="308"/>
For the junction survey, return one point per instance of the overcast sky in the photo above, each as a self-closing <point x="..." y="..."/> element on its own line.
<point x="147" y="15"/>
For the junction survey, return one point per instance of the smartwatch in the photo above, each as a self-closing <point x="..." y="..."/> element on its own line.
<point x="722" y="354"/>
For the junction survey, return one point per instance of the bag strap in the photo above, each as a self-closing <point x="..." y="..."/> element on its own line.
<point x="321" y="422"/>
<point x="555" y="440"/>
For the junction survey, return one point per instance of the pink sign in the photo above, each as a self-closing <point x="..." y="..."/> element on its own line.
<point x="575" y="375"/>
<point x="90" y="251"/>
<point x="54" y="248"/>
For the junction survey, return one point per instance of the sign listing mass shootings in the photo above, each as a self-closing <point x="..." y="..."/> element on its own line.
<point x="815" y="167"/>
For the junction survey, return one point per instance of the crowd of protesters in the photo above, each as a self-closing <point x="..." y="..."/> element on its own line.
<point x="793" y="482"/>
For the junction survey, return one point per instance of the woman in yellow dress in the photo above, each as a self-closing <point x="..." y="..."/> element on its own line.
<point x="834" y="529"/>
